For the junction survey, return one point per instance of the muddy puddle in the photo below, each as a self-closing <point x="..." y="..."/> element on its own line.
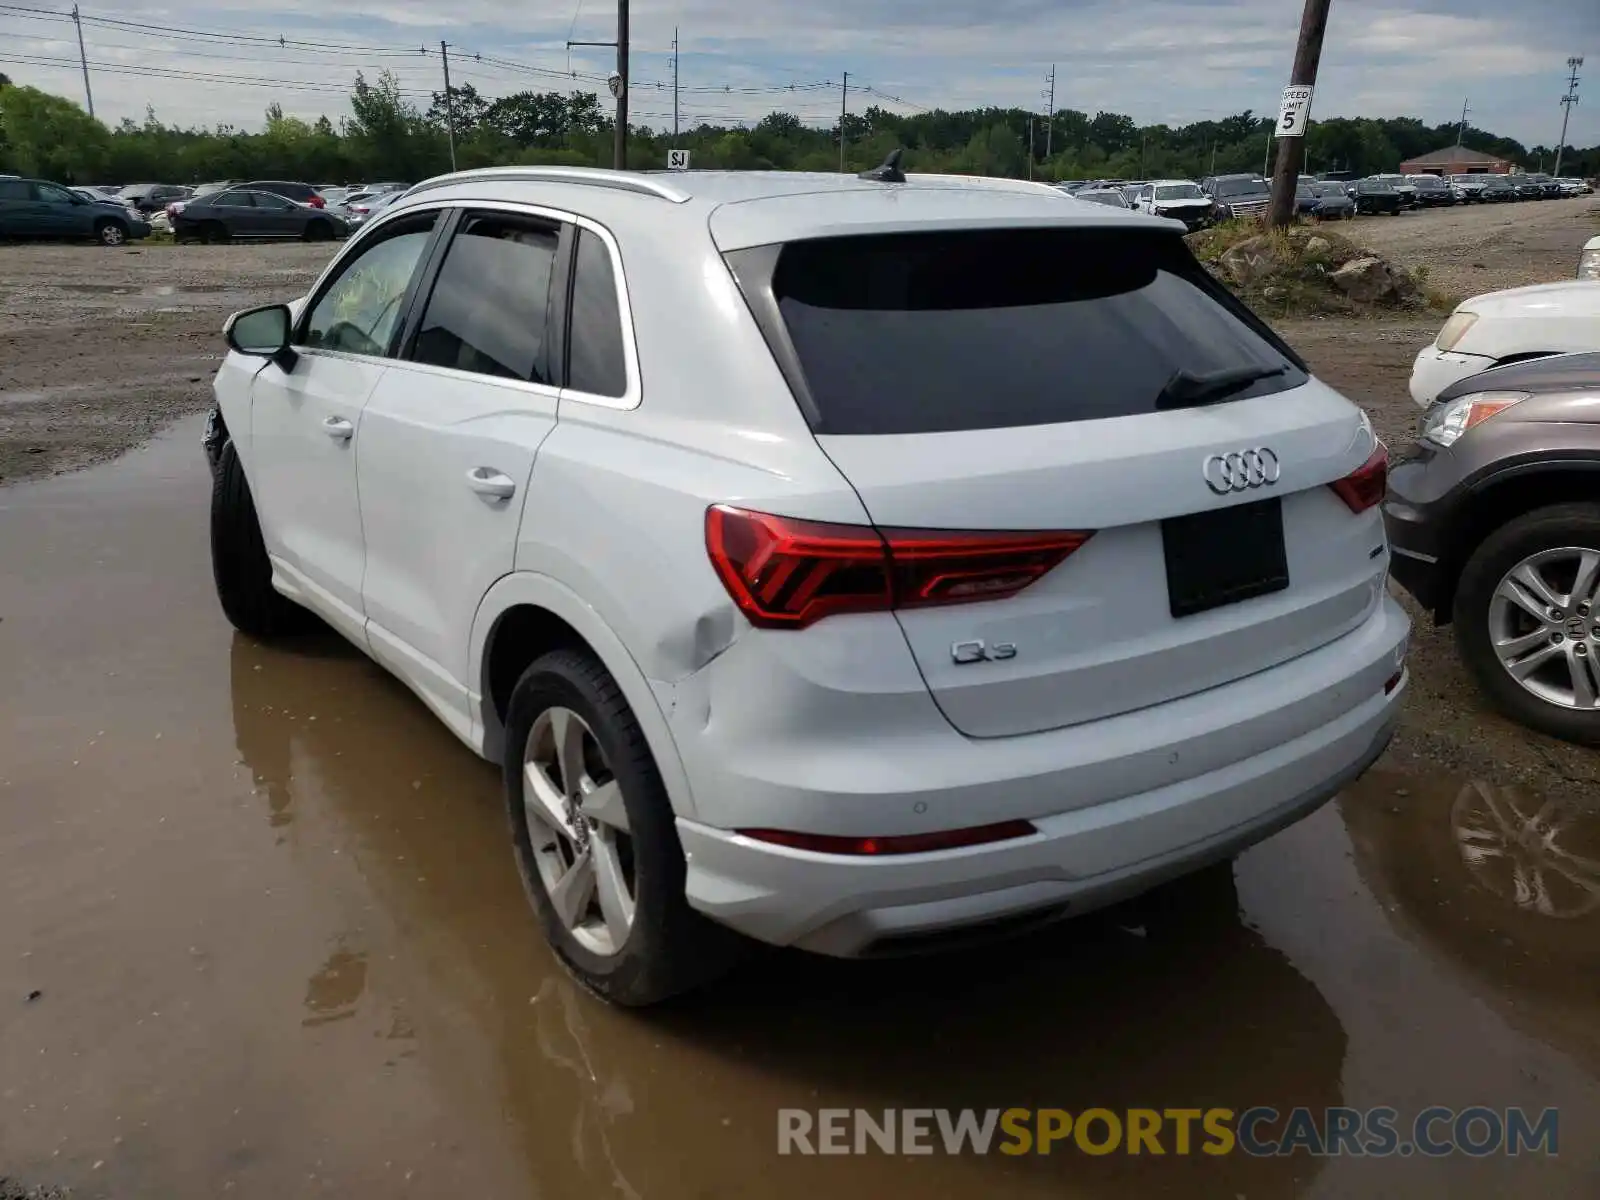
<point x="266" y="910"/>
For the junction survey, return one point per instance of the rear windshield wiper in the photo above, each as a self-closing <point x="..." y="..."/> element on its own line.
<point x="1188" y="390"/>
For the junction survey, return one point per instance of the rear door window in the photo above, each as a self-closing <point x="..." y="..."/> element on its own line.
<point x="936" y="332"/>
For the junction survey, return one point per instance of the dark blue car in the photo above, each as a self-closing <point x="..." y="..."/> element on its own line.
<point x="36" y="208"/>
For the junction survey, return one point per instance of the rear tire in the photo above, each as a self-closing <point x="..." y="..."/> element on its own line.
<point x="239" y="565"/>
<point x="667" y="948"/>
<point x="214" y="233"/>
<point x="111" y="232"/>
<point x="1557" y="527"/>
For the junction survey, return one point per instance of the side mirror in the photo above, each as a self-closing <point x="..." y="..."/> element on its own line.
<point x="262" y="333"/>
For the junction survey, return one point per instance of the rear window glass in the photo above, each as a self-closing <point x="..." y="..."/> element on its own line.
<point x="931" y="332"/>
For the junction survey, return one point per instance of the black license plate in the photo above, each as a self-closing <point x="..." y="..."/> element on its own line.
<point x="1223" y="557"/>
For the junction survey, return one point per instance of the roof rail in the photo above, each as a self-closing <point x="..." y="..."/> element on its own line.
<point x="623" y="181"/>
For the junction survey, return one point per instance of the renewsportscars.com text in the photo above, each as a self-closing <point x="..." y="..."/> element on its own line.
<point x="1259" y="1132"/>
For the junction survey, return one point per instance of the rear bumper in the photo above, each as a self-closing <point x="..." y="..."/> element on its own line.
<point x="1434" y="370"/>
<point x="1127" y="802"/>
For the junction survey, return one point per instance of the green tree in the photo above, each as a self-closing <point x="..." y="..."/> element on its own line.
<point x="50" y="137"/>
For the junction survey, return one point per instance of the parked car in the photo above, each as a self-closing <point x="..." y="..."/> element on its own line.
<point x="1495" y="521"/>
<point x="1403" y="188"/>
<point x="147" y="198"/>
<point x="1431" y="191"/>
<point x="37" y="208"/>
<point x="247" y="213"/>
<point x="98" y="195"/>
<point x="1469" y="188"/>
<point x="1111" y="197"/>
<point x="736" y="668"/>
<point x="1498" y="189"/>
<point x="1375" y="196"/>
<point x="1589" y="259"/>
<point x="358" y="214"/>
<point x="300" y="193"/>
<point x="1527" y="187"/>
<point x="1179" y="199"/>
<point x="1570" y="186"/>
<point x="1322" y="201"/>
<point x="1236" y="197"/>
<point x="207" y="189"/>
<point x="1549" y="186"/>
<point x="1509" y="326"/>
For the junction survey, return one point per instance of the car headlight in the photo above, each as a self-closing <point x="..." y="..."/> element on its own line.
<point x="1446" y="424"/>
<point x="1589" y="264"/>
<point x="1454" y="330"/>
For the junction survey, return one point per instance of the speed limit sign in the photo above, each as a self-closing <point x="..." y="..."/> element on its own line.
<point x="677" y="160"/>
<point x="1295" y="113"/>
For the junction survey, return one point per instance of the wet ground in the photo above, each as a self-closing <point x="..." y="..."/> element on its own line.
<point x="261" y="936"/>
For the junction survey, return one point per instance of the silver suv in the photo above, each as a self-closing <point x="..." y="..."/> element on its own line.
<point x="851" y="563"/>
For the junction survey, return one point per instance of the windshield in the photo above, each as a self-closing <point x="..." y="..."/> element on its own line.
<point x="990" y="329"/>
<point x="1427" y="183"/>
<point x="1329" y="189"/>
<point x="1179" y="191"/>
<point x="1377" y="186"/>
<point x="1240" y="187"/>
<point x="1113" y="199"/>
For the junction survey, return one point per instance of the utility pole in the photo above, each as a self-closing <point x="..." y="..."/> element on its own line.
<point x="620" y="154"/>
<point x="1050" y="116"/>
<point x="844" y="107"/>
<point x="1307" y="56"/>
<point x="84" y="60"/>
<point x="449" y="102"/>
<point x="619" y="86"/>
<point x="1567" y="101"/>
<point x="1461" y="130"/>
<point x="1030" y="148"/>
<point x="675" y="145"/>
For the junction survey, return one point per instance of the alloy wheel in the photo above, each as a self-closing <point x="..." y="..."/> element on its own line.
<point x="1544" y="626"/>
<point x="112" y="235"/>
<point x="578" y="829"/>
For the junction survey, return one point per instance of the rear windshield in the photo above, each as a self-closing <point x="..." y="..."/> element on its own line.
<point x="934" y="332"/>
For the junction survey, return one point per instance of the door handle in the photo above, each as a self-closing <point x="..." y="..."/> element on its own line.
<point x="486" y="481"/>
<point x="338" y="427"/>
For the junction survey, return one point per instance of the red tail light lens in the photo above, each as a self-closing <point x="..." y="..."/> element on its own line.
<point x="785" y="573"/>
<point x="915" y="843"/>
<point x="317" y="202"/>
<point x="1366" y="485"/>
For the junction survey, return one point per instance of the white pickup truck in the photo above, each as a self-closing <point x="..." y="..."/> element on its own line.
<point x="1519" y="323"/>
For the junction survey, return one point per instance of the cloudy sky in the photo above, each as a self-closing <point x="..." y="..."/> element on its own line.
<point x="1157" y="60"/>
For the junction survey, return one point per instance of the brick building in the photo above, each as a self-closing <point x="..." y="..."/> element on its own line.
<point x="1456" y="160"/>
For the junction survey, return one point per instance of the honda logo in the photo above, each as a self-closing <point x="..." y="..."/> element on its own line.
<point x="1241" y="470"/>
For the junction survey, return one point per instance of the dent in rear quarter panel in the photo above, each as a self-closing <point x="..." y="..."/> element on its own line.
<point x="619" y="518"/>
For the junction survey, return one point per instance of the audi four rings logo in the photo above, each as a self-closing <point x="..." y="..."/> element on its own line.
<point x="1241" y="470"/>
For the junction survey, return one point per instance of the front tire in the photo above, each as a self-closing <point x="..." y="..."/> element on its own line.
<point x="239" y="565"/>
<point x="317" y="231"/>
<point x="111" y="232"/>
<point x="595" y="839"/>
<point x="1527" y="620"/>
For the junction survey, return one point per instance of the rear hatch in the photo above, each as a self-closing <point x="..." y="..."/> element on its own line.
<point x="1090" y="379"/>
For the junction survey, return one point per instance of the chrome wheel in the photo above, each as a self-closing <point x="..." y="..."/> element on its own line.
<point x="578" y="830"/>
<point x="1525" y="853"/>
<point x="1544" y="626"/>
<point x="111" y="235"/>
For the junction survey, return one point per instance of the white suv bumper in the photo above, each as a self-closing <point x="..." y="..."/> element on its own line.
<point x="1265" y="750"/>
<point x="1435" y="370"/>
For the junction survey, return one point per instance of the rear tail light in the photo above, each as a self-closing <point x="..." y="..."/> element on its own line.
<point x="915" y="843"/>
<point x="360" y="208"/>
<point x="1366" y="485"/>
<point x="317" y="202"/>
<point x="785" y="573"/>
